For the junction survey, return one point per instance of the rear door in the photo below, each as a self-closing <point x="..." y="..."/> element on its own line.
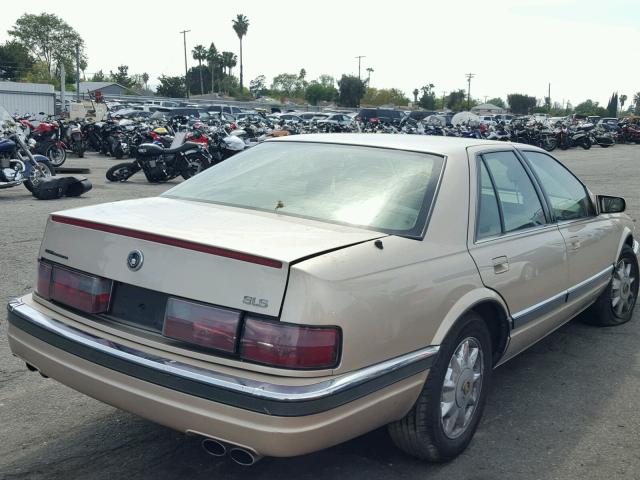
<point x="519" y="252"/>
<point x="592" y="240"/>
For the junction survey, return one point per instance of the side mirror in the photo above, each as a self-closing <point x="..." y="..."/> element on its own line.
<point x="607" y="204"/>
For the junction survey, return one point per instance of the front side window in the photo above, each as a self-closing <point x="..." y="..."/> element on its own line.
<point x="385" y="190"/>
<point x="568" y="197"/>
<point x="520" y="205"/>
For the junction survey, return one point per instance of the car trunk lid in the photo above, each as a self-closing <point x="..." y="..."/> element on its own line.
<point x="216" y="254"/>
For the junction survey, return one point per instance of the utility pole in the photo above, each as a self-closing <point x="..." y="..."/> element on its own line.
<point x="549" y="97"/>
<point x="485" y="98"/>
<point x="78" y="72"/>
<point x="186" y="71"/>
<point x="443" y="95"/>
<point x="469" y="77"/>
<point x="62" y="89"/>
<point x="360" y="57"/>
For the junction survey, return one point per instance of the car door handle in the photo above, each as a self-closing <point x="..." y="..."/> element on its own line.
<point x="574" y="243"/>
<point x="500" y="264"/>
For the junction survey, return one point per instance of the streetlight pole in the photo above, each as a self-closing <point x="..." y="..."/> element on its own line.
<point x="78" y="72"/>
<point x="360" y="57"/>
<point x="469" y="77"/>
<point x="186" y="71"/>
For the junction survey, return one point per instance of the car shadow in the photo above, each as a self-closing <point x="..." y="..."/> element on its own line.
<point x="542" y="403"/>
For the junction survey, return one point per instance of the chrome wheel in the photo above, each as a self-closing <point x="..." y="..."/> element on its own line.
<point x="623" y="288"/>
<point x="39" y="172"/>
<point x="461" y="387"/>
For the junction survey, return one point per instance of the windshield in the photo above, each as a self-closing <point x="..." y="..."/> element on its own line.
<point x="380" y="189"/>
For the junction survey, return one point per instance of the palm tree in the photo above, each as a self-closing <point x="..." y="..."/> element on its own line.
<point x="199" y="53"/>
<point x="229" y="60"/>
<point x="213" y="58"/>
<point x="415" y="95"/>
<point x="145" y="79"/>
<point x="623" y="99"/>
<point x="636" y="100"/>
<point x="369" y="71"/>
<point x="241" y="25"/>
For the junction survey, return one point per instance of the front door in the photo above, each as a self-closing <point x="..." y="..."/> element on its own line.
<point x="590" y="239"/>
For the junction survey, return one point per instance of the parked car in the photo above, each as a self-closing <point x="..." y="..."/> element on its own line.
<point x="385" y="115"/>
<point x="336" y="119"/>
<point x="316" y="287"/>
<point x="224" y="108"/>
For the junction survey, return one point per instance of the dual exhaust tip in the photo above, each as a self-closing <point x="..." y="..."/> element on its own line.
<point x="240" y="455"/>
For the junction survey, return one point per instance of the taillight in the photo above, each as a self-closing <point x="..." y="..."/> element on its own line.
<point x="374" y="120"/>
<point x="288" y="345"/>
<point x="85" y="292"/>
<point x="203" y="325"/>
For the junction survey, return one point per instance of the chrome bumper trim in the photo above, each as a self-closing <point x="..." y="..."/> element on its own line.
<point x="25" y="317"/>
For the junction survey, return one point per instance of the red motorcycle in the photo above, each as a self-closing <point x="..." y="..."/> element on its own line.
<point x="630" y="133"/>
<point x="48" y="142"/>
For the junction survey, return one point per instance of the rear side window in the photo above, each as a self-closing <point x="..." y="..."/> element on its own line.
<point x="518" y="200"/>
<point x="488" y="223"/>
<point x="568" y="197"/>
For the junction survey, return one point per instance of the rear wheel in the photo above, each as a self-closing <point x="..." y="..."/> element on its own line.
<point x="56" y="155"/>
<point x="586" y="143"/>
<point x="122" y="172"/>
<point x="444" y="419"/>
<point x="615" y="304"/>
<point x="193" y="165"/>
<point x="43" y="169"/>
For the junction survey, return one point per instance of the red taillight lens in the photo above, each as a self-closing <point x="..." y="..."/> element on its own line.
<point x="289" y="346"/>
<point x="85" y="292"/>
<point x="43" y="284"/>
<point x="374" y="120"/>
<point x="203" y="325"/>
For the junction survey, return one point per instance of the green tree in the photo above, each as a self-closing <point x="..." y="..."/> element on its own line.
<point x="623" y="99"/>
<point x="351" y="91"/>
<point x="381" y="96"/>
<point x="612" y="106"/>
<point x="240" y="26"/>
<point x="200" y="53"/>
<point x="284" y="84"/>
<point x="498" y="102"/>
<point x="258" y="86"/>
<point x="456" y="100"/>
<point x="15" y="61"/>
<point x="99" y="76"/>
<point x="326" y="80"/>
<point x="428" y="98"/>
<point x="171" y="86"/>
<point x="589" y="107"/>
<point x="121" y="77"/>
<point x="145" y="80"/>
<point x="415" y="92"/>
<point x="213" y="57"/>
<point x="521" y="104"/>
<point x="229" y="60"/>
<point x="48" y="38"/>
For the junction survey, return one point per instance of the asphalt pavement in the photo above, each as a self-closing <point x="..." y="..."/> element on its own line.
<point x="565" y="409"/>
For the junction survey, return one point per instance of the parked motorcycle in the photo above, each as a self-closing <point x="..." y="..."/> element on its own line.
<point x="163" y="164"/>
<point x="72" y="137"/>
<point x="47" y="140"/>
<point x="18" y="166"/>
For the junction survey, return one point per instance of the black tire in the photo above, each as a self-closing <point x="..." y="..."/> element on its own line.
<point x="118" y="152"/>
<point x="605" y="145"/>
<point x="549" y="144"/>
<point x="122" y="172"/>
<point x="56" y="155"/>
<point x="47" y="171"/>
<point x="421" y="432"/>
<point x="603" y="313"/>
<point x="192" y="166"/>
<point x="585" y="143"/>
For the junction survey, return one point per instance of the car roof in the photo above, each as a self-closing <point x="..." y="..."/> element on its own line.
<point x="416" y="143"/>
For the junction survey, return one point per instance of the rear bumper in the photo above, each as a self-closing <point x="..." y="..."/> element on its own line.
<point x="269" y="418"/>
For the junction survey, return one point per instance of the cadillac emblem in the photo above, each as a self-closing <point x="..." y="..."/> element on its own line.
<point x="135" y="259"/>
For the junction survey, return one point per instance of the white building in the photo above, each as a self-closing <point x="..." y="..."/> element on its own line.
<point x="21" y="98"/>
<point x="487" y="109"/>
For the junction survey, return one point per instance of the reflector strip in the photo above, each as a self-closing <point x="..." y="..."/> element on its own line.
<point x="174" y="242"/>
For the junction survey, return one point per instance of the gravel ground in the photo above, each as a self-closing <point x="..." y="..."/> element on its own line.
<point x="565" y="409"/>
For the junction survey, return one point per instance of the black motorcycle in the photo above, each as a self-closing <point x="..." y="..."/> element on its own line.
<point x="161" y="164"/>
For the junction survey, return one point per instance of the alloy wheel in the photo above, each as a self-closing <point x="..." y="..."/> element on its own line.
<point x="623" y="288"/>
<point x="461" y="388"/>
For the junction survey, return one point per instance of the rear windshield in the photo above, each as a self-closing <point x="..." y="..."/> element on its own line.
<point x="390" y="191"/>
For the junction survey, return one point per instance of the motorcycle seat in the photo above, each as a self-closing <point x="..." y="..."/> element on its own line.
<point x="182" y="148"/>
